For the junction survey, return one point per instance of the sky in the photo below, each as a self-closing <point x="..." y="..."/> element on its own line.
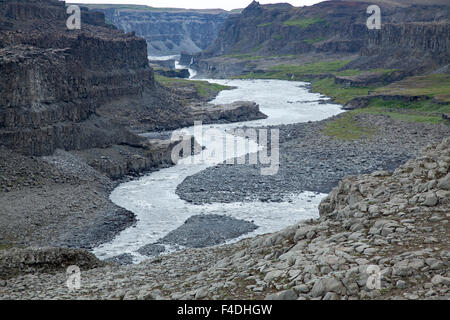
<point x="197" y="4"/>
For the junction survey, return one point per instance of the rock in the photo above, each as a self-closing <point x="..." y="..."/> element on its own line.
<point x="444" y="183"/>
<point x="283" y="295"/>
<point x="151" y="250"/>
<point x="207" y="230"/>
<point x="438" y="279"/>
<point x="407" y="267"/>
<point x="401" y="284"/>
<point x="273" y="275"/>
<point x="123" y="259"/>
<point x="201" y="293"/>
<point x="331" y="296"/>
<point x="16" y="262"/>
<point x="327" y="284"/>
<point x="431" y="200"/>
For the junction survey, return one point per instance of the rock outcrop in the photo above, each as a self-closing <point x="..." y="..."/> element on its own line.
<point x="55" y="81"/>
<point x="44" y="260"/>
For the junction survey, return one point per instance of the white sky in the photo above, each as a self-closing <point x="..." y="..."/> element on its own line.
<point x="197" y="4"/>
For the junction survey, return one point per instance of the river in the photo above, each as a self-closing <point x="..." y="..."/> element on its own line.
<point x="159" y="210"/>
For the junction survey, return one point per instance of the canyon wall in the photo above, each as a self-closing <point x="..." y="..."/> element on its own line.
<point x="72" y="89"/>
<point x="408" y="33"/>
<point x="167" y="31"/>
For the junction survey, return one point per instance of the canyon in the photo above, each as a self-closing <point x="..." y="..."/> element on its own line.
<point x="167" y="31"/>
<point x="85" y="154"/>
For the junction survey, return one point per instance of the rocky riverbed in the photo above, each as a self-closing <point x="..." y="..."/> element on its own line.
<point x="313" y="161"/>
<point x="379" y="236"/>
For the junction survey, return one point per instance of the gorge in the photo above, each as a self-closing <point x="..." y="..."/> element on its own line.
<point x="86" y="152"/>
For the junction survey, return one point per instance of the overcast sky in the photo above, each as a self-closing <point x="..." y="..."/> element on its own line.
<point x="197" y="4"/>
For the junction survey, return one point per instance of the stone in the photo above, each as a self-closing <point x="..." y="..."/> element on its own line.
<point x="438" y="279"/>
<point x="283" y="295"/>
<point x="327" y="284"/>
<point x="431" y="200"/>
<point x="444" y="183"/>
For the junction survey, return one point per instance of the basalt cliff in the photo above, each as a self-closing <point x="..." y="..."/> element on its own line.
<point x="413" y="37"/>
<point x="167" y="31"/>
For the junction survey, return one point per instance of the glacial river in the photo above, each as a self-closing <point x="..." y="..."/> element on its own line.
<point x="159" y="210"/>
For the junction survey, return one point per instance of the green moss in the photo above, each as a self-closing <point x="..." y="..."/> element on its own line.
<point x="265" y="24"/>
<point x="435" y="85"/>
<point x="204" y="88"/>
<point x="316" y="40"/>
<point x="356" y="72"/>
<point x="348" y="128"/>
<point x="292" y="72"/>
<point x="303" y="23"/>
<point x="243" y="56"/>
<point x="339" y="93"/>
<point x="416" y="111"/>
<point x="278" y="37"/>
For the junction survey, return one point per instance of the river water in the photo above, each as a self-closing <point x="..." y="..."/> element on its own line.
<point x="159" y="210"/>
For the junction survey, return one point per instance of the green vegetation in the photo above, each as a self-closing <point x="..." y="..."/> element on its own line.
<point x="356" y="72"/>
<point x="316" y="40"/>
<point x="278" y="37"/>
<point x="339" y="93"/>
<point x="243" y="56"/>
<point x="257" y="48"/>
<point x="290" y="72"/>
<point x="265" y="24"/>
<point x="435" y="85"/>
<point x="347" y="128"/>
<point x="409" y="111"/>
<point x="303" y="23"/>
<point x="204" y="88"/>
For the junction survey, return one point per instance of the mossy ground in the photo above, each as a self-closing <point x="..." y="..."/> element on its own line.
<point x="204" y="88"/>
<point x="348" y="128"/>
<point x="304" y="22"/>
<point x="432" y="86"/>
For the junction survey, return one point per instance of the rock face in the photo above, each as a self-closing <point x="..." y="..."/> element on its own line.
<point x="167" y="31"/>
<point x="47" y="260"/>
<point x="54" y="80"/>
<point x="410" y="37"/>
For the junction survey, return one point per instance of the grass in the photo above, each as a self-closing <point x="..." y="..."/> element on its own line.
<point x="427" y="111"/>
<point x="416" y="111"/>
<point x="204" y="88"/>
<point x="290" y="72"/>
<point x="316" y="40"/>
<point x="265" y="24"/>
<point x="356" y="72"/>
<point x="435" y="85"/>
<point x="347" y="128"/>
<point x="303" y="23"/>
<point x="243" y="56"/>
<point x="339" y="93"/>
